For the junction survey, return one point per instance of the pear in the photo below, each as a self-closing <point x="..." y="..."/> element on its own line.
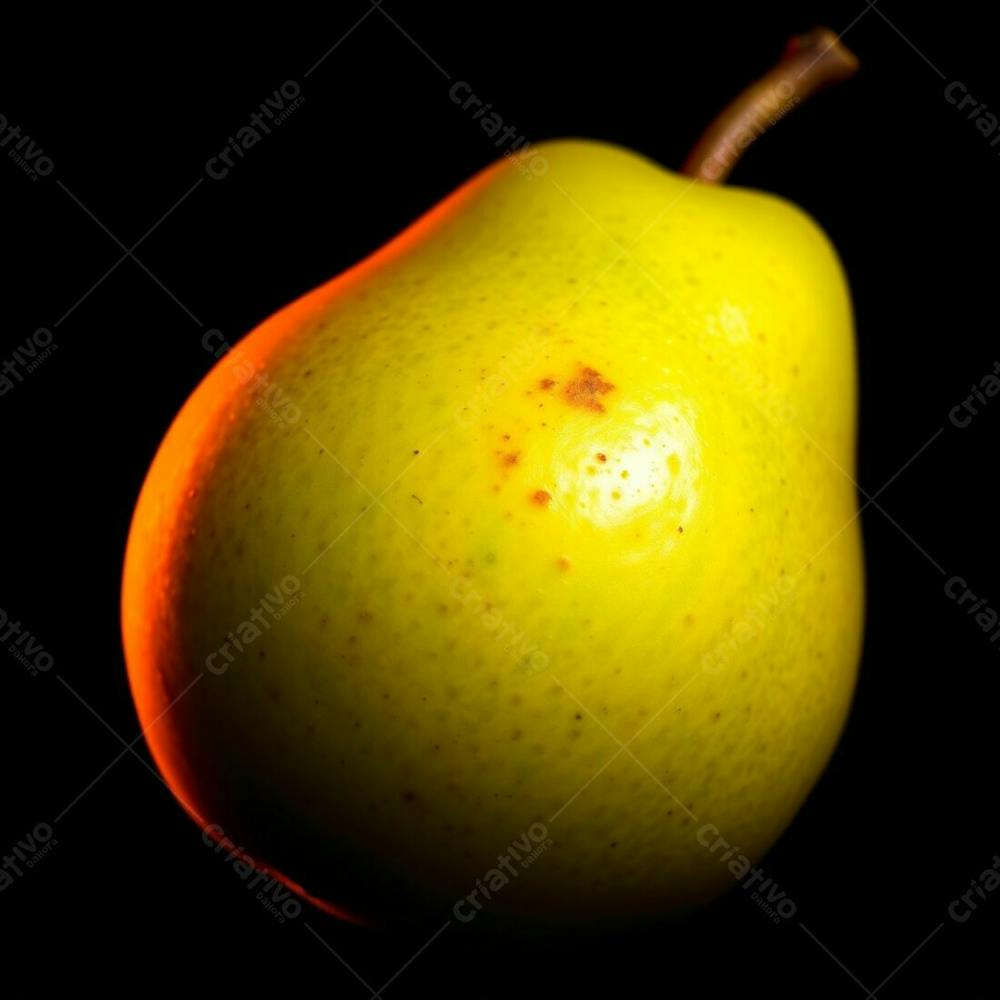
<point x="517" y="570"/>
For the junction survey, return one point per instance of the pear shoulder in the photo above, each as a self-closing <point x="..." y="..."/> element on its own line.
<point x="618" y="189"/>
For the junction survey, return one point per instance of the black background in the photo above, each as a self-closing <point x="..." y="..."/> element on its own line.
<point x="130" y="110"/>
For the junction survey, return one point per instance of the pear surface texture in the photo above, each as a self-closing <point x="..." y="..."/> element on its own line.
<point x="523" y="555"/>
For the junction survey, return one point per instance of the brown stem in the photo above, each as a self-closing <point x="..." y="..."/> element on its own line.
<point x="810" y="63"/>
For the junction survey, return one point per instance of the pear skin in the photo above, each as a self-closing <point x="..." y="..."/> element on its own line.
<point x="518" y="566"/>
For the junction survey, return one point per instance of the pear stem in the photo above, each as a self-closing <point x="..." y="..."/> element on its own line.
<point x="810" y="62"/>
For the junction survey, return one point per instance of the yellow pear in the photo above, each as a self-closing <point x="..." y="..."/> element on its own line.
<point x="517" y="570"/>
